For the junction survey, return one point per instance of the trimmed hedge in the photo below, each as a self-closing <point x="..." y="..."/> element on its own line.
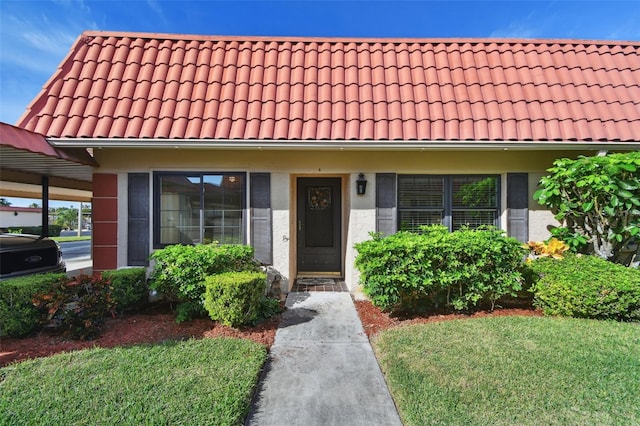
<point x="180" y="271"/>
<point x="54" y="230"/>
<point x="418" y="271"/>
<point x="18" y="316"/>
<point x="234" y="298"/>
<point x="129" y="287"/>
<point x="587" y="287"/>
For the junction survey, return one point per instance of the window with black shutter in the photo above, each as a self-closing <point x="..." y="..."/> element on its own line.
<point x="451" y="200"/>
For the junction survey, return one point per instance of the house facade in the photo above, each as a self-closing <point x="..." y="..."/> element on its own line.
<point x="302" y="147"/>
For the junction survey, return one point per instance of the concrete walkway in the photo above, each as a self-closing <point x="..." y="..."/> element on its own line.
<point x="322" y="370"/>
<point x="83" y="265"/>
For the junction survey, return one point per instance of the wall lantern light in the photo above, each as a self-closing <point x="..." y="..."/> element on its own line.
<point x="361" y="184"/>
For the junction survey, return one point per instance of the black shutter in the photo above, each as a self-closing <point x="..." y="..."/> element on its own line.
<point x="518" y="206"/>
<point x="386" y="222"/>
<point x="260" y="208"/>
<point x="138" y="223"/>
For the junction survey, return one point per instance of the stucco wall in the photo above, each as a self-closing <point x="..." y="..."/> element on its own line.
<point x="359" y="211"/>
<point x="16" y="218"/>
<point x="499" y="161"/>
<point x="540" y="219"/>
<point x="280" y="219"/>
<point x="361" y="221"/>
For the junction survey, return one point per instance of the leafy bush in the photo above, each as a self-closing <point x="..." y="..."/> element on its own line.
<point x="410" y="271"/>
<point x="128" y="287"/>
<point x="577" y="242"/>
<point x="598" y="199"/>
<point x="180" y="272"/>
<point x="54" y="230"/>
<point x="18" y="316"/>
<point x="587" y="287"/>
<point x="269" y="308"/>
<point x="234" y="298"/>
<point x="78" y="305"/>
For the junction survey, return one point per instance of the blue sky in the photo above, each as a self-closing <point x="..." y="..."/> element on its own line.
<point x="36" y="35"/>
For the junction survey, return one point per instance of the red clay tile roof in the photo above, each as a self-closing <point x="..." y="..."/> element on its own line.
<point x="157" y="86"/>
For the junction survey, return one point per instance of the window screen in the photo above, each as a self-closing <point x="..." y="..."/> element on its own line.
<point x="420" y="201"/>
<point x="199" y="208"/>
<point x="474" y="201"/>
<point x="453" y="201"/>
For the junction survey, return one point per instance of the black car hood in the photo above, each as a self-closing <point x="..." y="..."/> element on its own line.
<point x="17" y="241"/>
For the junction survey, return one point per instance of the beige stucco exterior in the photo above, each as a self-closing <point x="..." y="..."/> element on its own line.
<point x="359" y="211"/>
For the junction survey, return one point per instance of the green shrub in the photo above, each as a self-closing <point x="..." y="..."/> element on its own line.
<point x="394" y="270"/>
<point x="269" y="308"/>
<point x="598" y="201"/>
<point x="587" y="287"/>
<point x="234" y="298"/>
<point x="462" y="269"/>
<point x="54" y="230"/>
<point x="180" y="271"/>
<point x="18" y="316"/>
<point x="128" y="287"/>
<point x="78" y="305"/>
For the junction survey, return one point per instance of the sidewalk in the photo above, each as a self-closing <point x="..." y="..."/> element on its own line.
<point x="322" y="370"/>
<point x="77" y="266"/>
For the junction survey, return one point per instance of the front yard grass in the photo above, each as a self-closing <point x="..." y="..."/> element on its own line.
<point x="70" y="239"/>
<point x="514" y="370"/>
<point x="207" y="381"/>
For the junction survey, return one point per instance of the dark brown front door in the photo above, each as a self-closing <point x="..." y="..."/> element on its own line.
<point x="319" y="225"/>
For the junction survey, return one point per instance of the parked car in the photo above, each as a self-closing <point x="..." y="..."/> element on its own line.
<point x="28" y="254"/>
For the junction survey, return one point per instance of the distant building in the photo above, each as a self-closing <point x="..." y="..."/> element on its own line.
<point x="14" y="217"/>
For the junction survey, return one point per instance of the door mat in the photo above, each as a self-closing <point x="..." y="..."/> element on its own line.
<point x="319" y="284"/>
<point x="315" y="281"/>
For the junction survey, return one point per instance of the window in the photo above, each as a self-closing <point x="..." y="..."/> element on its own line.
<point x="453" y="201"/>
<point x="196" y="208"/>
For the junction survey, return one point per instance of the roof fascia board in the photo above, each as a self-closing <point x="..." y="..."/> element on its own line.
<point x="294" y="39"/>
<point x="354" y="145"/>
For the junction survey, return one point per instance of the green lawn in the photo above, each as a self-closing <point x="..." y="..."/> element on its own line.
<point x="514" y="370"/>
<point x="68" y="239"/>
<point x="205" y="382"/>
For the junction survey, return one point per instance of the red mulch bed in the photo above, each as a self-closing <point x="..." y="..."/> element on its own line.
<point x="157" y="324"/>
<point x="154" y="325"/>
<point x="374" y="320"/>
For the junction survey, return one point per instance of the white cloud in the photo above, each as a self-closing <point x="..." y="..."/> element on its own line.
<point x="625" y="30"/>
<point x="34" y="38"/>
<point x="35" y="45"/>
<point x="155" y="6"/>
<point x="71" y="3"/>
<point x="515" y="30"/>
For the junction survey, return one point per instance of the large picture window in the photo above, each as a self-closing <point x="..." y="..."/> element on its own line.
<point x="197" y="208"/>
<point x="453" y="201"/>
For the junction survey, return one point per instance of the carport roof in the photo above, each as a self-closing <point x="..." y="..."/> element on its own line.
<point x="27" y="156"/>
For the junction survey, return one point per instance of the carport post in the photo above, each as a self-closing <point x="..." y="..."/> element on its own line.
<point x="45" y="206"/>
<point x="80" y="220"/>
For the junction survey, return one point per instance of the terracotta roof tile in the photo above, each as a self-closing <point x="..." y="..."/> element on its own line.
<point x="133" y="85"/>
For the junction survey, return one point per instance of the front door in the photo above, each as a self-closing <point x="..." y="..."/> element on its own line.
<point x="319" y="225"/>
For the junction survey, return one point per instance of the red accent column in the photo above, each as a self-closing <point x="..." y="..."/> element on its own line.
<point x="105" y="221"/>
